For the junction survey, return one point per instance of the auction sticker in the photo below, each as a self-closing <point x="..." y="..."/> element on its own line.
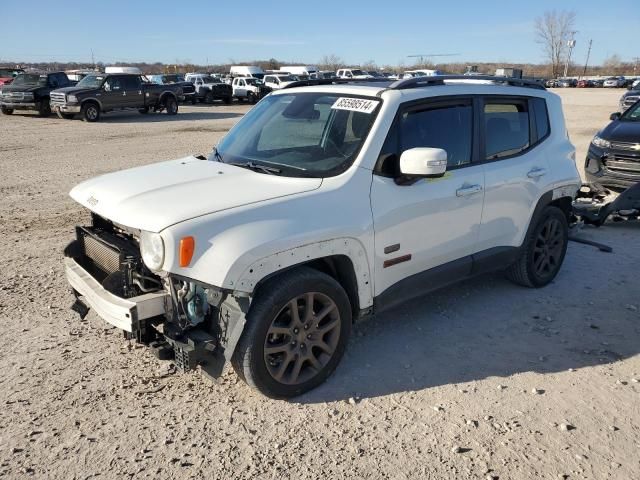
<point x="361" y="105"/>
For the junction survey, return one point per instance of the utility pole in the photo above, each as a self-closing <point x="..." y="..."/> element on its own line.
<point x="635" y="65"/>
<point x="584" y="72"/>
<point x="93" y="62"/>
<point x="571" y="43"/>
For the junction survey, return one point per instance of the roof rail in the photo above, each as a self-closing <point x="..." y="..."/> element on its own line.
<point x="417" y="82"/>
<point x="332" y="81"/>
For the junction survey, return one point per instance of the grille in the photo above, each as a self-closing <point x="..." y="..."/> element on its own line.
<point x="632" y="147"/>
<point x="624" y="164"/>
<point x="58" y="98"/>
<point x="102" y="255"/>
<point x="628" y="101"/>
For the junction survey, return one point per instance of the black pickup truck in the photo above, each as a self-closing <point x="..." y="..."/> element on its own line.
<point x="31" y="91"/>
<point x="101" y="93"/>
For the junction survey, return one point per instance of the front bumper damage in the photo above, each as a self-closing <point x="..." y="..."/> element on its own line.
<point x="155" y="318"/>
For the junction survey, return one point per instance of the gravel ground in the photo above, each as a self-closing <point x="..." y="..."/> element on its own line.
<point x="480" y="380"/>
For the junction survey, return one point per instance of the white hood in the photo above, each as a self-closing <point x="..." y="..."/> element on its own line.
<point x="156" y="196"/>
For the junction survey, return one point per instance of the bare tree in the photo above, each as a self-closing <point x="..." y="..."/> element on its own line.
<point x="553" y="30"/>
<point x="331" y="62"/>
<point x="613" y="64"/>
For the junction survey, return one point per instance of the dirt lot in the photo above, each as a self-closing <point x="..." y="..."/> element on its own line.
<point x="441" y="388"/>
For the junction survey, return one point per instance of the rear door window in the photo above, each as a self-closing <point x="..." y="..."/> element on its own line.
<point x="506" y="127"/>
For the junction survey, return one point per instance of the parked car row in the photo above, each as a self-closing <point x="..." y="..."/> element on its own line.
<point x="610" y="82"/>
<point x="91" y="97"/>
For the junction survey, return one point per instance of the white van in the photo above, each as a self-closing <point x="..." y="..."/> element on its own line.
<point x="247" y="71"/>
<point x="132" y="70"/>
<point x="421" y="73"/>
<point x="302" y="71"/>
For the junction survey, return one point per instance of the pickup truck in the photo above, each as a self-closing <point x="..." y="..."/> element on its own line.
<point x="102" y="93"/>
<point x="30" y="91"/>
<point x="188" y="88"/>
<point x="209" y="88"/>
<point x="248" y="88"/>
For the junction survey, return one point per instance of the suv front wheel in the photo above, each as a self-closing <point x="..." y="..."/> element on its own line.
<point x="295" y="335"/>
<point x="543" y="250"/>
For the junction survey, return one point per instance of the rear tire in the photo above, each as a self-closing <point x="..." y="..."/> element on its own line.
<point x="208" y="98"/>
<point x="6" y="111"/>
<point x="543" y="250"/>
<point x="306" y="344"/>
<point x="44" y="108"/>
<point x="171" y="105"/>
<point x="194" y="100"/>
<point x="90" y="112"/>
<point x="143" y="110"/>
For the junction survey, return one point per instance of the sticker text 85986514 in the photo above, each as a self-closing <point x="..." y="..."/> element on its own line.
<point x="355" y="104"/>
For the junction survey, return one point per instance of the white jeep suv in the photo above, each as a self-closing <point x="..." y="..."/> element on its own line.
<point x="322" y="205"/>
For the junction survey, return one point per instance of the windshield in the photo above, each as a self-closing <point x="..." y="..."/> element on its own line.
<point x="172" y="78"/>
<point x="210" y="79"/>
<point x="287" y="78"/>
<point x="357" y="72"/>
<point x="251" y="80"/>
<point x="9" y="72"/>
<point x="302" y="134"/>
<point x="30" y="79"/>
<point x="632" y="114"/>
<point x="91" y="81"/>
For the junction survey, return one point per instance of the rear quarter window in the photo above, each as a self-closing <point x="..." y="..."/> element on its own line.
<point x="541" y="118"/>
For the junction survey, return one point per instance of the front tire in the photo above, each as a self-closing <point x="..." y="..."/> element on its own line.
<point x="543" y="251"/>
<point x="90" y="112"/>
<point x="296" y="333"/>
<point x="44" y="108"/>
<point x="6" y="111"/>
<point x="208" y="98"/>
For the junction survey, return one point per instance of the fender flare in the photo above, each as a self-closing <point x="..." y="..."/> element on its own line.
<point x="276" y="263"/>
<point x="92" y="99"/>
<point x="548" y="198"/>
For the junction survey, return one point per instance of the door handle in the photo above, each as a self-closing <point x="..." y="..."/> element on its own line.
<point x="467" y="190"/>
<point x="536" y="172"/>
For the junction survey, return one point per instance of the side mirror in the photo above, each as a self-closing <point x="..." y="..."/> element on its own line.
<point x="615" y="116"/>
<point x="423" y="162"/>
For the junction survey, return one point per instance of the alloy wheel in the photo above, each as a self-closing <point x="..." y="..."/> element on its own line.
<point x="302" y="338"/>
<point x="548" y="247"/>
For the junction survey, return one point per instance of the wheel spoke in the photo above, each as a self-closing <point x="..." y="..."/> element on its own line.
<point x="315" y="363"/>
<point x="276" y="349"/>
<point x="323" y="346"/>
<point x="325" y="311"/>
<point x="275" y="330"/>
<point x="283" y="367"/>
<point x="327" y="327"/>
<point x="308" y="312"/>
<point x="295" y="373"/>
<point x="293" y="309"/>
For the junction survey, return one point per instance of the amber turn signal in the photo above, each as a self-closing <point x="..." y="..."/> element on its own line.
<point x="187" y="247"/>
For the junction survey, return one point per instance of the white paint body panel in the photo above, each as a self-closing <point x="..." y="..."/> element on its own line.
<point x="248" y="225"/>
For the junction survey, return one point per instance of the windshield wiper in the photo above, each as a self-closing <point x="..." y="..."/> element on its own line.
<point x="256" y="167"/>
<point x="217" y="155"/>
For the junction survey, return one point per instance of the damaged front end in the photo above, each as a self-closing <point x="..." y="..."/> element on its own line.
<point x="180" y="319"/>
<point x="594" y="204"/>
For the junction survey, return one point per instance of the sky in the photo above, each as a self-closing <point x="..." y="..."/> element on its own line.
<point x="235" y="31"/>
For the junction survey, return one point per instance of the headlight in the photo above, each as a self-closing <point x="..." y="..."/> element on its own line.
<point x="152" y="250"/>
<point x="71" y="98"/>
<point x="601" y="142"/>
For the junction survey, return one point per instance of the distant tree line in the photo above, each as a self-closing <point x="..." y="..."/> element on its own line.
<point x="613" y="65"/>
